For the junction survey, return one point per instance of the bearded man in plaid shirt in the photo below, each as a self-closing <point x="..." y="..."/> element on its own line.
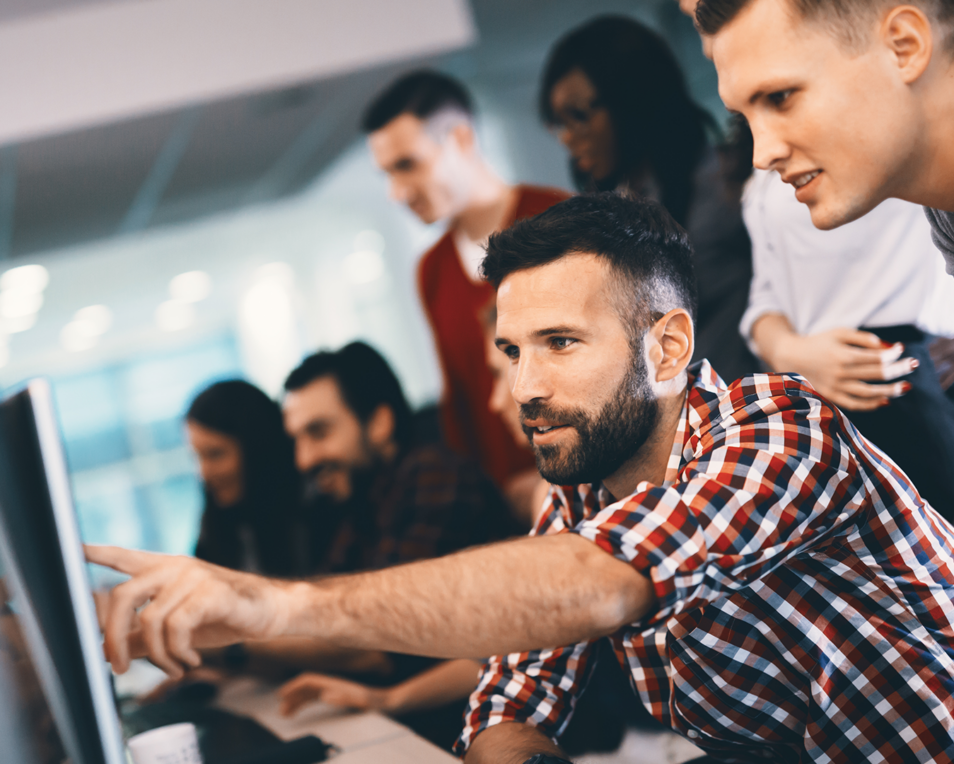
<point x="773" y="586"/>
<point x="803" y="589"/>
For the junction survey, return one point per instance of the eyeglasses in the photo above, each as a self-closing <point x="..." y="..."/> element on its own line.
<point x="575" y="118"/>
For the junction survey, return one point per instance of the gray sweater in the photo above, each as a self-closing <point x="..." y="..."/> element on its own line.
<point x="942" y="228"/>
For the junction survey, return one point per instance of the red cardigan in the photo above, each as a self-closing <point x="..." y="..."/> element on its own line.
<point x="453" y="303"/>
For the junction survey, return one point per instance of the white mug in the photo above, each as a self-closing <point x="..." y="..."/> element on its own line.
<point x="174" y="744"/>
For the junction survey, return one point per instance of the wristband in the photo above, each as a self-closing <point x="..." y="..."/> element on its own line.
<point x="545" y="758"/>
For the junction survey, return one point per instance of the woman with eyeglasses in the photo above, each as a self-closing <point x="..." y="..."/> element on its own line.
<point x="617" y="99"/>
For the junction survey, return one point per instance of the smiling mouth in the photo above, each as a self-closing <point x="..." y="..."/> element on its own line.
<point x="804" y="179"/>
<point x="544" y="429"/>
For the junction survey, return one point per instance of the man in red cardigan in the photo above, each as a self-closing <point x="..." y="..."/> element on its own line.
<point x="421" y="133"/>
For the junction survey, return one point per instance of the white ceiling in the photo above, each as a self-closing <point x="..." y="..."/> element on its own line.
<point x="175" y="165"/>
<point x="82" y="64"/>
<point x="116" y="210"/>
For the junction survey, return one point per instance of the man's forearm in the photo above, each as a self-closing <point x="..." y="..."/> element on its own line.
<point x="510" y="743"/>
<point x="310" y="654"/>
<point x="513" y="596"/>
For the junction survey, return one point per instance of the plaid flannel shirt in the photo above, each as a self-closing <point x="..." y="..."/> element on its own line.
<point x="805" y="592"/>
<point x="428" y="503"/>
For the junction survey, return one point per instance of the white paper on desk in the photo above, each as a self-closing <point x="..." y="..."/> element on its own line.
<point x="174" y="744"/>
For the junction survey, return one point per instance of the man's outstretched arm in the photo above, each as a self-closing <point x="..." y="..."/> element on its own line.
<point x="514" y="596"/>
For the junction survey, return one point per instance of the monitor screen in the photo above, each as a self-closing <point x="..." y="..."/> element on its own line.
<point x="27" y="728"/>
<point x="46" y="574"/>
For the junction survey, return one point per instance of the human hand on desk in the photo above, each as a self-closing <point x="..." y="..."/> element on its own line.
<point x="189" y="604"/>
<point x="310" y="688"/>
<point x="434" y="687"/>
<point x="843" y="365"/>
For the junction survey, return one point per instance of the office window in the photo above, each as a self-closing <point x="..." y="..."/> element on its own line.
<point x="133" y="474"/>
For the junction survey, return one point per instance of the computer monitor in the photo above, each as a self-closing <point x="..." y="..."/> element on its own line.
<point x="27" y="727"/>
<point x="44" y="570"/>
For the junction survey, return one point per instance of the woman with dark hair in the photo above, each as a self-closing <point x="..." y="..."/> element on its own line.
<point x="252" y="489"/>
<point x="614" y="92"/>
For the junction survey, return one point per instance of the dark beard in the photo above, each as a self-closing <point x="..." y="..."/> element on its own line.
<point x="359" y="477"/>
<point x="607" y="440"/>
<point x="361" y="474"/>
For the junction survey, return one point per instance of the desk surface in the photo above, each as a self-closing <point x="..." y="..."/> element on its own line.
<point x="363" y="737"/>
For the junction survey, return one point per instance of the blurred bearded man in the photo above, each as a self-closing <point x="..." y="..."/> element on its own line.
<point x="378" y="499"/>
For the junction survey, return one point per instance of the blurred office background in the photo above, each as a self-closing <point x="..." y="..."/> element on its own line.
<point x="185" y="196"/>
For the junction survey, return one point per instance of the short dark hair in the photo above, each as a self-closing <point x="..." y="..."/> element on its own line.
<point x="648" y="250"/>
<point x="365" y="380"/>
<point x="423" y="93"/>
<point x="713" y="15"/>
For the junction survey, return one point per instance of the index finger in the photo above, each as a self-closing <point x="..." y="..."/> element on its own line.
<point x="129" y="561"/>
<point x="856" y="356"/>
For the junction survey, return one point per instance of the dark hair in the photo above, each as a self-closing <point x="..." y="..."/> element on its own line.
<point x="272" y="485"/>
<point x="422" y="93"/>
<point x="365" y="381"/>
<point x="639" y="238"/>
<point x="712" y="15"/>
<point x="638" y="80"/>
<point x="737" y="153"/>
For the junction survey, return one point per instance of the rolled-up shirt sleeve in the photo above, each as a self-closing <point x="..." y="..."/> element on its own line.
<point x="758" y="491"/>
<point x="538" y="688"/>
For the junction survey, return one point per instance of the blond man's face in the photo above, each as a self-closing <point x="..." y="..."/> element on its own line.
<point x="837" y="123"/>
<point x="428" y="175"/>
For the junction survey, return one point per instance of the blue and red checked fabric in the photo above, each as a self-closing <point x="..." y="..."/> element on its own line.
<point x="805" y="592"/>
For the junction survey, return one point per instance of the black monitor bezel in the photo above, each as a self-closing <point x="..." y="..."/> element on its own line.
<point x="59" y="617"/>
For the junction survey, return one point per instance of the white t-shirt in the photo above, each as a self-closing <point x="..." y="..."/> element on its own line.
<point x="880" y="270"/>
<point x="942" y="224"/>
<point x="471" y="254"/>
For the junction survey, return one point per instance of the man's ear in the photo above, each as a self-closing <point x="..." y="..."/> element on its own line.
<point x="671" y="352"/>
<point x="908" y="34"/>
<point x="381" y="426"/>
<point x="463" y="134"/>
